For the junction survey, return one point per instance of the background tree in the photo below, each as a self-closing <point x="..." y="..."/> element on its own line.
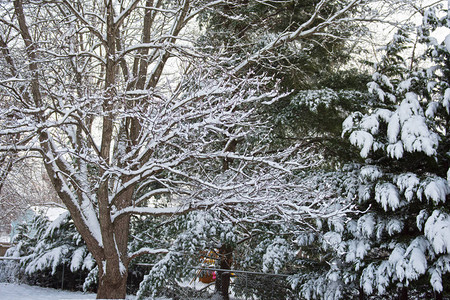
<point x="25" y="184"/>
<point x="313" y="69"/>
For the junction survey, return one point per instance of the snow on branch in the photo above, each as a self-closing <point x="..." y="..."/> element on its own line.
<point x="154" y="211"/>
<point x="146" y="250"/>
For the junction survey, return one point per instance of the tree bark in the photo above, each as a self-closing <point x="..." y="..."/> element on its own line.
<point x="112" y="284"/>
<point x="403" y="293"/>
<point x="361" y="295"/>
<point x="223" y="278"/>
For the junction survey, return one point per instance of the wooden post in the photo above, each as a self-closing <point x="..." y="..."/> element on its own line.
<point x="361" y="295"/>
<point x="223" y="278"/>
<point x="403" y="293"/>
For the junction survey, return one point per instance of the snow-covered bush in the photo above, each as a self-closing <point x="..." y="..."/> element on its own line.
<point x="52" y="253"/>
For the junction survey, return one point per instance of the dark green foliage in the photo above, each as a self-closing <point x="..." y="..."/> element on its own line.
<point x="322" y="91"/>
<point x="313" y="118"/>
<point x="253" y="24"/>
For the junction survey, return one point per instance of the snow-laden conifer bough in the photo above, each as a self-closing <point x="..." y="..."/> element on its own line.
<point x="402" y="243"/>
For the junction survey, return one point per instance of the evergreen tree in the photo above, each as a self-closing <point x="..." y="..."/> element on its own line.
<point x="321" y="91"/>
<point x="401" y="243"/>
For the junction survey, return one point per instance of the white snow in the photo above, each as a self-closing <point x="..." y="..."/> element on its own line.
<point x="77" y="259"/>
<point x="396" y="254"/>
<point x="370" y="124"/>
<point x="387" y="195"/>
<point x="441" y="266"/>
<point x="13" y="291"/>
<point x="52" y="213"/>
<point x="348" y="123"/>
<point x="446" y="100"/>
<point x="395" y="150"/>
<point x="415" y="133"/>
<point x="275" y="255"/>
<point x="405" y="85"/>
<point x="366" y="225"/>
<point x="448" y="175"/>
<point x="10" y="291"/>
<point x="383" y="114"/>
<point x="363" y="140"/>
<point x="417" y="137"/>
<point x="437" y="230"/>
<point x="417" y="264"/>
<point x="52" y="257"/>
<point x="362" y="248"/>
<point x="364" y="192"/>
<point x="432" y="109"/>
<point x="370" y="173"/>
<point x="437" y="190"/>
<point x="332" y="239"/>
<point x="408" y="184"/>
<point x="393" y="129"/>
<point x="383" y="275"/>
<point x="436" y="280"/>
<point x="407" y="129"/>
<point x="447" y="42"/>
<point x="421" y="218"/>
<point x="56" y="222"/>
<point x="368" y="278"/>
<point x="394" y="226"/>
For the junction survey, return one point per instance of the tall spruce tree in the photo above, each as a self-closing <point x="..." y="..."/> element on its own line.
<point x="321" y="90"/>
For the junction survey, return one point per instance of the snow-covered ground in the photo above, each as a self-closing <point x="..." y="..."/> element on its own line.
<point x="11" y="291"/>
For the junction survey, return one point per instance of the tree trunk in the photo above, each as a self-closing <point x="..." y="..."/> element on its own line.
<point x="361" y="295"/>
<point x="223" y="278"/>
<point x="403" y="293"/>
<point x="438" y="296"/>
<point x="112" y="284"/>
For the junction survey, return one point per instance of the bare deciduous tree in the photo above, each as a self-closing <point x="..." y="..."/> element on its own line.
<point x="122" y="106"/>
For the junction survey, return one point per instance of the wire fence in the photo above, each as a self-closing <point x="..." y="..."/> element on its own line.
<point x="244" y="284"/>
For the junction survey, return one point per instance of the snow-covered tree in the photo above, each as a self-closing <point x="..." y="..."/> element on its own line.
<point x="402" y="241"/>
<point x="122" y="105"/>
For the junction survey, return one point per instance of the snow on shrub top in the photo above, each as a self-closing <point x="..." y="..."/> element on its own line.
<point x="407" y="130"/>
